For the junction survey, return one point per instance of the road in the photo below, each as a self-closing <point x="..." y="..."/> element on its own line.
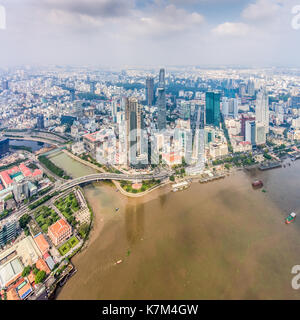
<point x="62" y="188"/>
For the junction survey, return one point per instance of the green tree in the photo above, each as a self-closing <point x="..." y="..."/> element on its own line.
<point x="24" y="220"/>
<point x="40" y="276"/>
<point x="26" y="271"/>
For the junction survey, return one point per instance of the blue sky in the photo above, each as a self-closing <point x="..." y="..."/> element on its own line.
<point x="150" y="32"/>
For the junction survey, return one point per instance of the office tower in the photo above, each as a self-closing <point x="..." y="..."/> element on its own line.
<point x="20" y="190"/>
<point x="8" y="232"/>
<point x="225" y="107"/>
<point x="242" y="89"/>
<point x="213" y="108"/>
<point x="199" y="138"/>
<point x="295" y="102"/>
<point x="92" y="87"/>
<point x="4" y="147"/>
<point x="161" y="102"/>
<point x="233" y="108"/>
<point x="197" y="119"/>
<point x="250" y="132"/>
<point x="150" y="91"/>
<point x="5" y="85"/>
<point x="244" y="120"/>
<point x="114" y="109"/>
<point x="262" y="109"/>
<point x="133" y="121"/>
<point x="72" y="94"/>
<point x="40" y="121"/>
<point x="161" y="79"/>
<point x="260" y="133"/>
<point x="250" y="88"/>
<point x="184" y="110"/>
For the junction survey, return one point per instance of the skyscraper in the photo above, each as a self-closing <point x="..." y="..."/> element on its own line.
<point x="161" y="102"/>
<point x="149" y="91"/>
<point x="262" y="109"/>
<point x="213" y="108"/>
<point x="250" y="132"/>
<point x="133" y="119"/>
<point x="40" y="122"/>
<point x="5" y="85"/>
<point x="92" y="87"/>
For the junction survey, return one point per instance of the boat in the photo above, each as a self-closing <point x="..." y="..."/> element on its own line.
<point x="119" y="261"/>
<point x="257" y="184"/>
<point x="290" y="218"/>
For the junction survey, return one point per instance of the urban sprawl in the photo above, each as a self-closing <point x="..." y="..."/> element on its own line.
<point x="141" y="128"/>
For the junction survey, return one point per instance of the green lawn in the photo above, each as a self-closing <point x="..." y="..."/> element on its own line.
<point x="67" y="246"/>
<point x="73" y="241"/>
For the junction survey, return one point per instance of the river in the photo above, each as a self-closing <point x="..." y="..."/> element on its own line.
<point x="220" y="240"/>
<point x="34" y="145"/>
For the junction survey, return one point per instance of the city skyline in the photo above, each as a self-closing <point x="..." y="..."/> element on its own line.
<point x="159" y="32"/>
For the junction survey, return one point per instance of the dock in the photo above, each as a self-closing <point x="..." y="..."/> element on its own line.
<point x="270" y="165"/>
<point x="208" y="179"/>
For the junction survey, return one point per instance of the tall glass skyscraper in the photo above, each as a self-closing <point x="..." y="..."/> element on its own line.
<point x="213" y="109"/>
<point x="161" y="101"/>
<point x="149" y="91"/>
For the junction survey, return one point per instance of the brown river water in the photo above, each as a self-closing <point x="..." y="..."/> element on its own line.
<point x="220" y="240"/>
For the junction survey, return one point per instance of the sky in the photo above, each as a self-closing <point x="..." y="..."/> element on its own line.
<point x="150" y="32"/>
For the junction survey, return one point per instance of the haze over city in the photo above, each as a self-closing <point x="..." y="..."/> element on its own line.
<point x="159" y="32"/>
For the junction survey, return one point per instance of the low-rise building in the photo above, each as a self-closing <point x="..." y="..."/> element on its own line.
<point x="59" y="231"/>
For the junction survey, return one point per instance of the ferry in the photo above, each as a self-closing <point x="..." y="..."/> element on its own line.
<point x="257" y="184"/>
<point x="290" y="218"/>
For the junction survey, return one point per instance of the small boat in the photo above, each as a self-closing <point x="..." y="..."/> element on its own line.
<point x="257" y="184"/>
<point x="119" y="261"/>
<point x="290" y="218"/>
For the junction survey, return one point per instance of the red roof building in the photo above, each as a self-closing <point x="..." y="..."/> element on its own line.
<point x="59" y="231"/>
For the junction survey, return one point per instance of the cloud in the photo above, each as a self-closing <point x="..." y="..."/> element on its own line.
<point x="231" y="29"/>
<point x="166" y="21"/>
<point x="92" y="8"/>
<point x="261" y="10"/>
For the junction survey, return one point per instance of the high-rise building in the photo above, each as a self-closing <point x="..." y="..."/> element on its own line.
<point x="161" y="79"/>
<point x="40" y="121"/>
<point x="72" y="94"/>
<point x="213" y="108"/>
<point x="225" y="107"/>
<point x="4" y="147"/>
<point x="244" y="119"/>
<point x="161" y="102"/>
<point x="260" y="134"/>
<point x="150" y="91"/>
<point x="184" y="110"/>
<point x="262" y="109"/>
<point x="250" y="88"/>
<point x="5" y="85"/>
<point x="92" y="87"/>
<point x="8" y="232"/>
<point x="250" y="132"/>
<point x="133" y="120"/>
<point x="199" y="138"/>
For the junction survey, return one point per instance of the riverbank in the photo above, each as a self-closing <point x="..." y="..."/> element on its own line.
<point x="221" y="240"/>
